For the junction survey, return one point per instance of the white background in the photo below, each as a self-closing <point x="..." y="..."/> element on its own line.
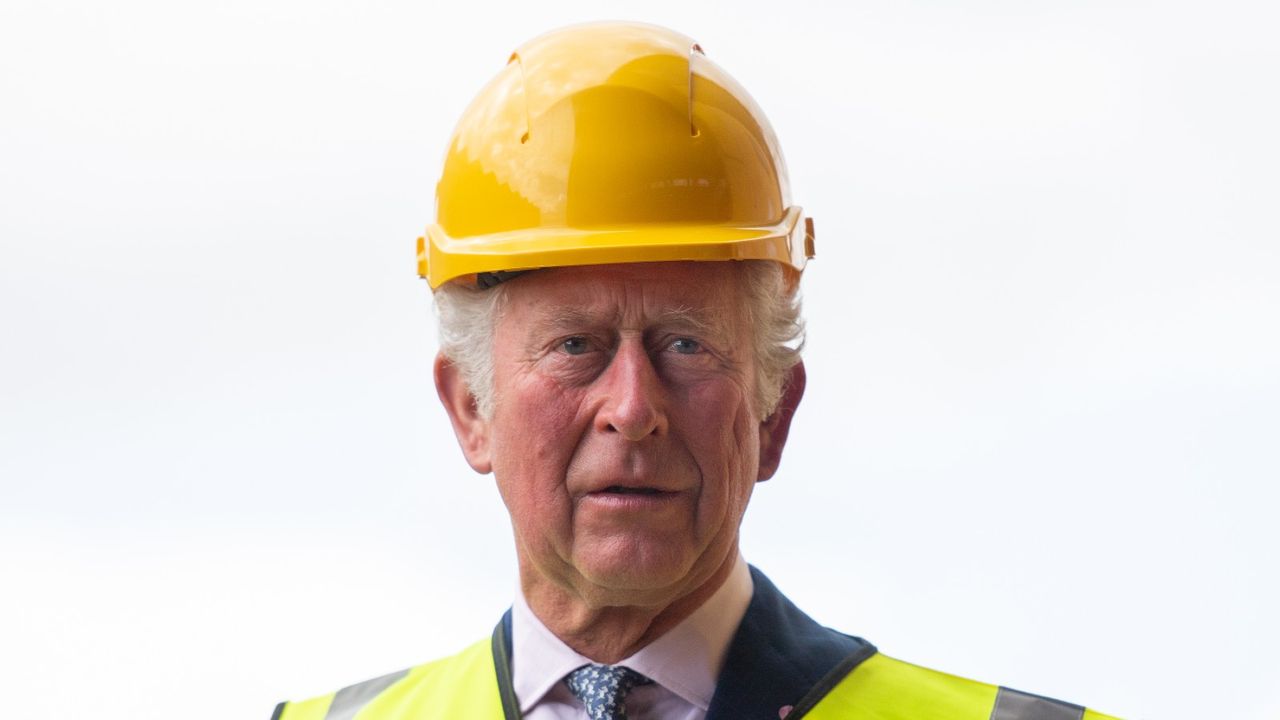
<point x="1039" y="445"/>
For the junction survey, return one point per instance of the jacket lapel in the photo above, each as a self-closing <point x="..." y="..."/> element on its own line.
<point x="778" y="656"/>
<point x="500" y="642"/>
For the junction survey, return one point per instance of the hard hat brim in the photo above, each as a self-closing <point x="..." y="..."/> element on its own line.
<point x="442" y="258"/>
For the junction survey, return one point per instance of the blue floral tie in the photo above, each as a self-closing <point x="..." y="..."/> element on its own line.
<point x="603" y="689"/>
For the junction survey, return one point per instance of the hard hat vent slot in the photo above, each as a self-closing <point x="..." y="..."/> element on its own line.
<point x="694" y="48"/>
<point x="524" y="90"/>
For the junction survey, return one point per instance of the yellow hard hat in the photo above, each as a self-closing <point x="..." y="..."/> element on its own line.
<point x="610" y="143"/>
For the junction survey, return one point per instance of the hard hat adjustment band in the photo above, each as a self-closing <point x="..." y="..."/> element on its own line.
<point x="486" y="280"/>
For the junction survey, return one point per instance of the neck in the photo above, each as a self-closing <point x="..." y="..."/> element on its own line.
<point x="611" y="633"/>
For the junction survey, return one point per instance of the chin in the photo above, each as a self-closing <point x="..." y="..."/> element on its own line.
<point x="638" y="576"/>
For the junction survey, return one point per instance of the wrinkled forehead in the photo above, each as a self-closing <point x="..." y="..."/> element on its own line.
<point x="629" y="294"/>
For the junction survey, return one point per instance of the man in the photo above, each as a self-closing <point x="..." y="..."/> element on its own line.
<point x="616" y="267"/>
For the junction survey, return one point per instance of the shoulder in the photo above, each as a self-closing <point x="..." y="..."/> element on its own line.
<point x="883" y="687"/>
<point x="781" y="658"/>
<point x="429" y="690"/>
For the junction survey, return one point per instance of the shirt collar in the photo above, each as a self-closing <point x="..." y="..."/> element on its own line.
<point x="685" y="660"/>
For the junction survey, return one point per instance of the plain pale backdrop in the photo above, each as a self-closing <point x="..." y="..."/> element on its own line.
<point x="1040" y="442"/>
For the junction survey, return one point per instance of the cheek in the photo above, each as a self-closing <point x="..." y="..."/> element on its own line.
<point x="533" y="436"/>
<point x="721" y="432"/>
<point x="724" y="405"/>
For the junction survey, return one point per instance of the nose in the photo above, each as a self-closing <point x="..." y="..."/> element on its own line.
<point x="632" y="401"/>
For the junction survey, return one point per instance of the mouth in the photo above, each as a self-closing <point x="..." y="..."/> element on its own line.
<point x="632" y="498"/>
<point x="623" y="490"/>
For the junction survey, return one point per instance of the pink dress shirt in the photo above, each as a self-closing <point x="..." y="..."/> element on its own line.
<point x="683" y="664"/>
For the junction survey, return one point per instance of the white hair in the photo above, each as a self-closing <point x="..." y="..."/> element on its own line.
<point x="468" y="316"/>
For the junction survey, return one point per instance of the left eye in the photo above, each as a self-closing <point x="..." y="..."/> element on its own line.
<point x="576" y="345"/>
<point x="686" y="346"/>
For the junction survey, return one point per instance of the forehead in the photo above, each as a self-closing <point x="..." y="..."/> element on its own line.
<point x="629" y="292"/>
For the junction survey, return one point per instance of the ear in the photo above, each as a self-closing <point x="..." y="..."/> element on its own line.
<point x="774" y="429"/>
<point x="471" y="429"/>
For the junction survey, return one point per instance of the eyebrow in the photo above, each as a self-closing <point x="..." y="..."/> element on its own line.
<point x="702" y="320"/>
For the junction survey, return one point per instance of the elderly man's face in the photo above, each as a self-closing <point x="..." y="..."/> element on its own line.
<point x="624" y="440"/>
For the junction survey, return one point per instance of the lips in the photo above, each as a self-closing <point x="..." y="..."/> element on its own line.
<point x="621" y="490"/>
<point x="628" y="492"/>
<point x="627" y="499"/>
<point x="626" y="484"/>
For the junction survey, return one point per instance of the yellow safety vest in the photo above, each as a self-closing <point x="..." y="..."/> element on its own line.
<point x="879" y="688"/>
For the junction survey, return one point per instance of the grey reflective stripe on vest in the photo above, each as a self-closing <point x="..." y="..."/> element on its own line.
<point x="1016" y="705"/>
<point x="348" y="701"/>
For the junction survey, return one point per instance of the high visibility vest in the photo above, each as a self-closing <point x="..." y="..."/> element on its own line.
<point x="473" y="684"/>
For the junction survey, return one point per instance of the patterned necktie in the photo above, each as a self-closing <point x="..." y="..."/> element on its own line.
<point x="603" y="689"/>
